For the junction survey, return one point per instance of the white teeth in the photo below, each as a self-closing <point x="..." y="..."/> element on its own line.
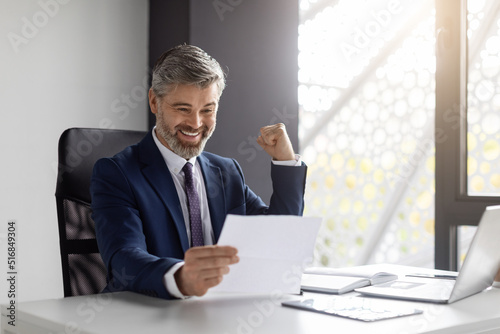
<point x="189" y="133"/>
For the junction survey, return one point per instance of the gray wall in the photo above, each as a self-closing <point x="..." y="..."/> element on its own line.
<point x="257" y="42"/>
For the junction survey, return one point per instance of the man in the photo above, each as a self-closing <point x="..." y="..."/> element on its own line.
<point x="159" y="206"/>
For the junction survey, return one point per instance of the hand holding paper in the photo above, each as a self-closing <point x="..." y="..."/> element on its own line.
<point x="273" y="250"/>
<point x="203" y="268"/>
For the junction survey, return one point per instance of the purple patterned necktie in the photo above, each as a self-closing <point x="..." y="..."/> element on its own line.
<point x="194" y="207"/>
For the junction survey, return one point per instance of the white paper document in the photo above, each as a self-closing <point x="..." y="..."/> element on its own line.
<point x="273" y="252"/>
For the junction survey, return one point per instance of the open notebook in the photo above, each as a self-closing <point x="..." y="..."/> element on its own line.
<point x="342" y="280"/>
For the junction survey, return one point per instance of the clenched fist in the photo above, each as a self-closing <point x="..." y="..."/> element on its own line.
<point x="274" y="140"/>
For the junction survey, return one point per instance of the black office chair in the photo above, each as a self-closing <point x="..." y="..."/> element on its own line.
<point x="79" y="148"/>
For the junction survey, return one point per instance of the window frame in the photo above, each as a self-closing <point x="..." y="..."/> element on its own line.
<point x="453" y="206"/>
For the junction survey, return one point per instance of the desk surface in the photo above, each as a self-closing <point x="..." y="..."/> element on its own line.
<point x="127" y="312"/>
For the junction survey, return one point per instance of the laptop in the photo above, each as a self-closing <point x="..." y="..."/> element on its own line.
<point x="477" y="273"/>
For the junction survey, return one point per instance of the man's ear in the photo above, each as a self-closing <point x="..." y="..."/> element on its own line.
<point x="153" y="101"/>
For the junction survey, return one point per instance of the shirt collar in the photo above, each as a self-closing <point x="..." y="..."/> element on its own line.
<point x="174" y="162"/>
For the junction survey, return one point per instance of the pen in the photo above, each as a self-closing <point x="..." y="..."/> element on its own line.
<point x="437" y="276"/>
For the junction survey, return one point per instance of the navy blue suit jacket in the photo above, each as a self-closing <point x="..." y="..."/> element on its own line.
<point x="138" y="217"/>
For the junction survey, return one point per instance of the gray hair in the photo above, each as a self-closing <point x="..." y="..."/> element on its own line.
<point x="186" y="65"/>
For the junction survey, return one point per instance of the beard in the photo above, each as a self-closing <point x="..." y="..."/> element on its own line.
<point x="183" y="149"/>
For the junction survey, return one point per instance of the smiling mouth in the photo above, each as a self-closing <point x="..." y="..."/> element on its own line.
<point x="191" y="134"/>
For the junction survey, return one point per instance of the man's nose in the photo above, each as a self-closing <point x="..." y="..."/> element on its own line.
<point x="194" y="120"/>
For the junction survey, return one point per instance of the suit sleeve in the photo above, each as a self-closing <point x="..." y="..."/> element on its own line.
<point x="289" y="184"/>
<point x="288" y="192"/>
<point x="120" y="236"/>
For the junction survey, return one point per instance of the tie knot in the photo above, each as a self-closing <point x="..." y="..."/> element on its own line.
<point x="188" y="168"/>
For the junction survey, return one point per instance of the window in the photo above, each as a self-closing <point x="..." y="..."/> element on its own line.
<point x="367" y="104"/>
<point x="399" y="123"/>
<point x="483" y="107"/>
<point x="483" y="98"/>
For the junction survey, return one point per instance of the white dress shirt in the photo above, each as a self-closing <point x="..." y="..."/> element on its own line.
<point x="175" y="164"/>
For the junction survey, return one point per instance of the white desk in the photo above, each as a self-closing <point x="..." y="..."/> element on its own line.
<point x="127" y="312"/>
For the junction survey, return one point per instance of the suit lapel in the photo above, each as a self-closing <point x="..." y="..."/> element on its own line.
<point x="156" y="172"/>
<point x="215" y="194"/>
